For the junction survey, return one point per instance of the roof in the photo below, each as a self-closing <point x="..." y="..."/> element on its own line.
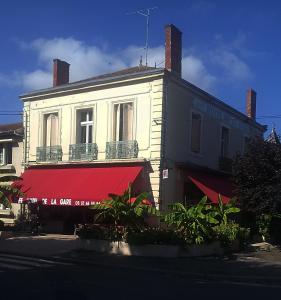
<point x="136" y="72"/>
<point x="11" y="127"/>
<point x="127" y="71"/>
<point x="13" y="130"/>
<point x="121" y="74"/>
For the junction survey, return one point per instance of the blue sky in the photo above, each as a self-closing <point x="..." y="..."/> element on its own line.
<point x="228" y="46"/>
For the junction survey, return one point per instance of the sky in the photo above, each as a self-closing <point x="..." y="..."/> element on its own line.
<point x="228" y="46"/>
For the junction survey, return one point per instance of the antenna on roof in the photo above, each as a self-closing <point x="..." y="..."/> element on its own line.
<point x="146" y="13"/>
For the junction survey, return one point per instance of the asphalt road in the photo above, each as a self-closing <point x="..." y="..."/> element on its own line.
<point x="42" y="279"/>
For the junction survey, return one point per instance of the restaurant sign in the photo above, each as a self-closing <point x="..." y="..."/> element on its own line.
<point x="60" y="202"/>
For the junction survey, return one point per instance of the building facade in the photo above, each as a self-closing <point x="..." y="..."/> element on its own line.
<point x="11" y="153"/>
<point x="138" y="117"/>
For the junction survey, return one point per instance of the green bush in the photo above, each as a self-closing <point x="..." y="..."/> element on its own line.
<point x="226" y="233"/>
<point x="101" y="232"/>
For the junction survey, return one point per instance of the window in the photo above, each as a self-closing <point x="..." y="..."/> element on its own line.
<point x="51" y="129"/>
<point x="123" y="122"/>
<point x="224" y="141"/>
<point x="5" y="154"/>
<point x="196" y="133"/>
<point x="85" y="126"/>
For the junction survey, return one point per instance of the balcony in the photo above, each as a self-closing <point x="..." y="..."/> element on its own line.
<point x="122" y="149"/>
<point x="80" y="152"/>
<point x="49" y="154"/>
<point x="225" y="164"/>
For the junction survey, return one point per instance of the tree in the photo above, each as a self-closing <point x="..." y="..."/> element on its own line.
<point x="257" y="176"/>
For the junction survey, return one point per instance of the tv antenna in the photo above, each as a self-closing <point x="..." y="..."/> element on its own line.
<point x="145" y="13"/>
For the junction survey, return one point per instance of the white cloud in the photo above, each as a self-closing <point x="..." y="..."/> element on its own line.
<point x="36" y="80"/>
<point x="233" y="66"/>
<point x="195" y="71"/>
<point x="225" y="60"/>
<point x="87" y="61"/>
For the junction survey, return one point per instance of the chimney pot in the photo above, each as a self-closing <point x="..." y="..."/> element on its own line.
<point x="251" y="104"/>
<point x="60" y="72"/>
<point x="173" y="49"/>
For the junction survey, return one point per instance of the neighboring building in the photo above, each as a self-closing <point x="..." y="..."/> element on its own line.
<point x="11" y="153"/>
<point x="142" y="125"/>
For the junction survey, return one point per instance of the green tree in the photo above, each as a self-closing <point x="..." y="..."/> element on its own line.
<point x="257" y="176"/>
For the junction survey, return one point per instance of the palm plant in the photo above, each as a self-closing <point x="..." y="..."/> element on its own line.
<point x="120" y="210"/>
<point x="193" y="222"/>
<point x="6" y="190"/>
<point x="223" y="210"/>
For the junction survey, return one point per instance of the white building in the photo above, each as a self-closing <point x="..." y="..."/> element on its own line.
<point x="143" y="125"/>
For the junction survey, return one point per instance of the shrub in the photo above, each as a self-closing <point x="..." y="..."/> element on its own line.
<point x="227" y="233"/>
<point x="194" y="222"/>
<point x="155" y="236"/>
<point x="101" y="232"/>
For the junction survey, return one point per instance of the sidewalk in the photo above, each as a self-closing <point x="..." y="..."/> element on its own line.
<point x="44" y="245"/>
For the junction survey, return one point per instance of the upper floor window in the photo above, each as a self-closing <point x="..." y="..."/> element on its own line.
<point x="51" y="129"/>
<point x="224" y="142"/>
<point x="5" y="154"/>
<point x="196" y="132"/>
<point x="123" y="121"/>
<point x="85" y="126"/>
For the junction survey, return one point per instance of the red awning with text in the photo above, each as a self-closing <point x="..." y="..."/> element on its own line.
<point x="212" y="185"/>
<point x="75" y="186"/>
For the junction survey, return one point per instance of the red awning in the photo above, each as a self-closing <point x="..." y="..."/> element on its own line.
<point x="75" y="186"/>
<point x="212" y="185"/>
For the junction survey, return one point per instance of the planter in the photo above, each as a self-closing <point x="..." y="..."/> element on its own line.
<point x="6" y="234"/>
<point x="213" y="248"/>
<point x="122" y="248"/>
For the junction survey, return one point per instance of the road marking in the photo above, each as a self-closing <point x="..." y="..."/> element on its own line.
<point x="15" y="267"/>
<point x="26" y="258"/>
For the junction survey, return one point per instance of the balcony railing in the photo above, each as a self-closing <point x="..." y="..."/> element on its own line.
<point x="49" y="154"/>
<point x="122" y="149"/>
<point x="78" y="152"/>
<point x="225" y="164"/>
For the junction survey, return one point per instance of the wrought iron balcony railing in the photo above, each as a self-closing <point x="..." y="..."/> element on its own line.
<point x="83" y="152"/>
<point x="49" y="154"/>
<point x="122" y="149"/>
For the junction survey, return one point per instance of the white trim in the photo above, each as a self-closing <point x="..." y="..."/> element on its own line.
<point x="111" y="114"/>
<point x="78" y="109"/>
<point x="7" y="141"/>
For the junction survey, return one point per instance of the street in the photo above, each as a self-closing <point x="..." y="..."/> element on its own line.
<point x="24" y="277"/>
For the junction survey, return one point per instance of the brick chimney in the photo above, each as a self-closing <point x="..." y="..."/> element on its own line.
<point x="251" y="104"/>
<point x="173" y="49"/>
<point x="60" y="72"/>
